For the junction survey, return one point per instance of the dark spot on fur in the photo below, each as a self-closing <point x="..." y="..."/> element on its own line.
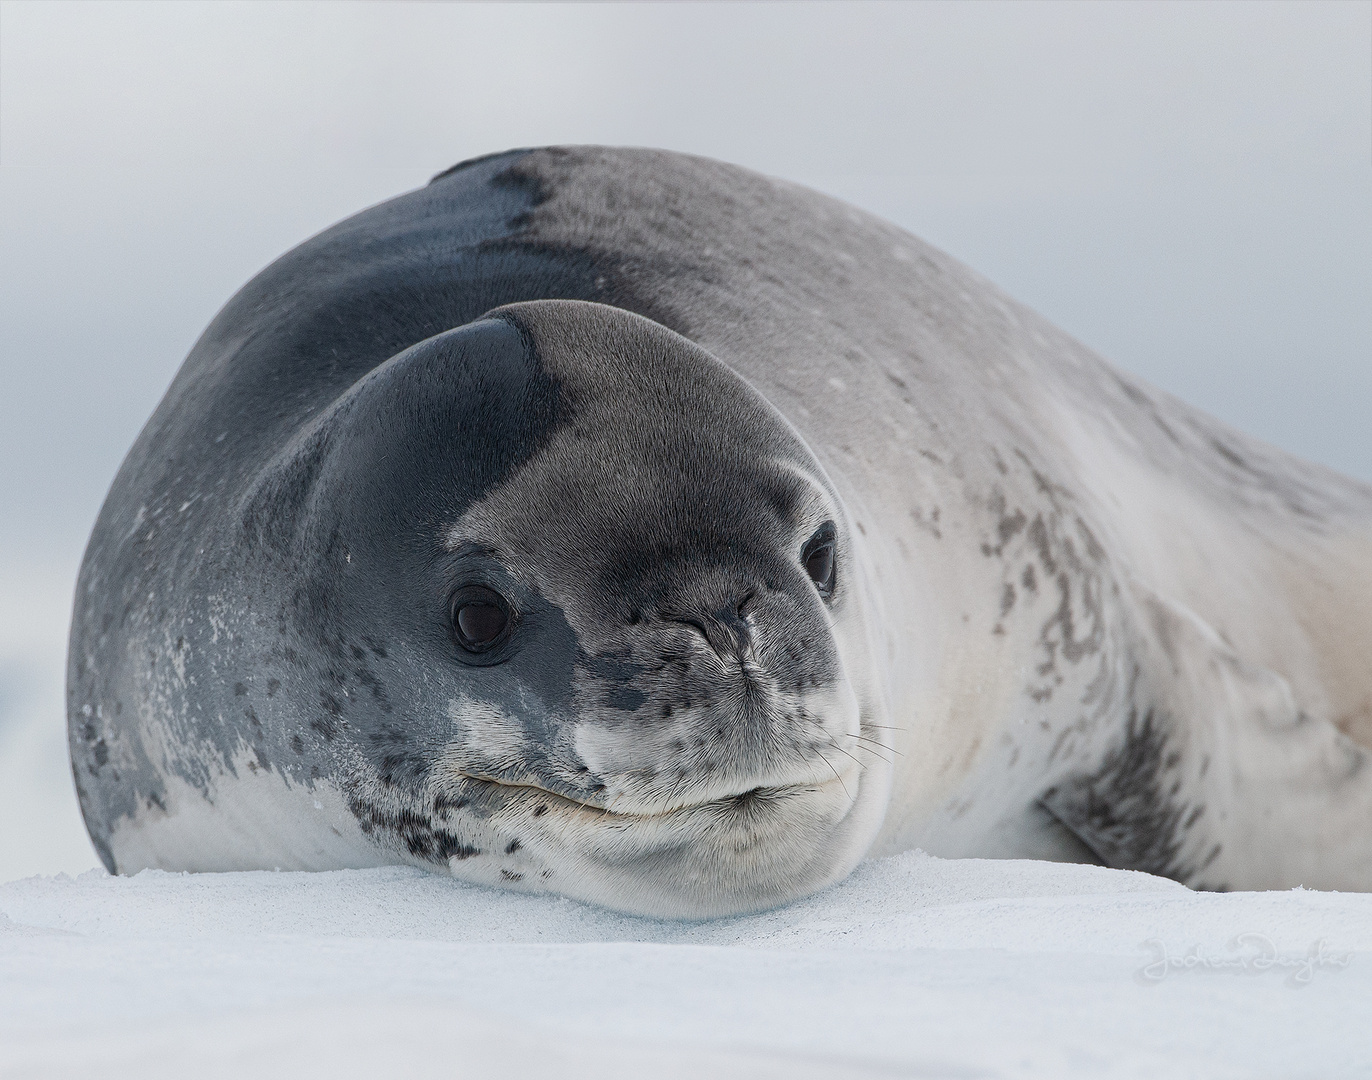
<point x="624" y="698"/>
<point x="239" y="689"/>
<point x="416" y="831"/>
<point x="1010" y="526"/>
<point x="297" y="744"/>
<point x="511" y="847"/>
<point x="390" y="765"/>
<point x="1124" y="812"/>
<point x="540" y="811"/>
<point x="1229" y="454"/>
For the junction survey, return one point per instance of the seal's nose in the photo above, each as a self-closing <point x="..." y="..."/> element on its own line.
<point x="726" y="628"/>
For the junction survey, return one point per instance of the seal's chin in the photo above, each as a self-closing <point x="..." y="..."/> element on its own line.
<point x="755" y="849"/>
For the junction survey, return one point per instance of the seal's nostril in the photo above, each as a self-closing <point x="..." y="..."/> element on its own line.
<point x="732" y="621"/>
<point x="698" y="625"/>
<point x="736" y="623"/>
<point x="726" y="630"/>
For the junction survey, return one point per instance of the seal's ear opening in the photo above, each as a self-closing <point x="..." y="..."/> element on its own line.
<point x="413" y="442"/>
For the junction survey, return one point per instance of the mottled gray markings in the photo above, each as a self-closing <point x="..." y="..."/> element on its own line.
<point x="1127" y="811"/>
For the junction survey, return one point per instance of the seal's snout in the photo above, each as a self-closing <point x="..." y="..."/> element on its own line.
<point x="732" y="685"/>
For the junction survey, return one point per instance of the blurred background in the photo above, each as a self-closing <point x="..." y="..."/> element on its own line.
<point x="1185" y="187"/>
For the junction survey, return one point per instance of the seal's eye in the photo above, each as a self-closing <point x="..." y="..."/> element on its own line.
<point x="818" y="559"/>
<point x="480" y="618"/>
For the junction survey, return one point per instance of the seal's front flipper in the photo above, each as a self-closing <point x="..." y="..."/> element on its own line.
<point x="1219" y="779"/>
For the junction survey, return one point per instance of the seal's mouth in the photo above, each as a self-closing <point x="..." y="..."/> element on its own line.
<point x="551" y="799"/>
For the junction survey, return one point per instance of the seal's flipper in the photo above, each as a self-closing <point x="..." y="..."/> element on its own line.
<point x="1219" y="779"/>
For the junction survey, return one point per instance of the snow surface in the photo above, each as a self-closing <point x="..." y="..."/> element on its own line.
<point x="914" y="966"/>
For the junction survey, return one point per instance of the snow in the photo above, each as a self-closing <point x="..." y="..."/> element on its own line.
<point x="914" y="966"/>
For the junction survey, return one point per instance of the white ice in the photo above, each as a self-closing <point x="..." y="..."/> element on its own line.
<point x="914" y="966"/>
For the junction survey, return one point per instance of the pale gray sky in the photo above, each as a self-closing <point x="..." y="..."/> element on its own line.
<point x="1187" y="188"/>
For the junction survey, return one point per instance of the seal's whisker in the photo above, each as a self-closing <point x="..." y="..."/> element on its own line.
<point x="874" y="743"/>
<point x="836" y="775"/>
<point x="674" y="789"/>
<point x="834" y="743"/>
<point x="875" y="752"/>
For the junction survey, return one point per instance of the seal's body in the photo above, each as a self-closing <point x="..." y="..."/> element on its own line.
<point x="632" y="526"/>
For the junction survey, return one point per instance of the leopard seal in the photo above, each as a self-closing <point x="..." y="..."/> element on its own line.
<point x="632" y="526"/>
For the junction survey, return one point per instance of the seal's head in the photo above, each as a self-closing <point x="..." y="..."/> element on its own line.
<point x="612" y="611"/>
